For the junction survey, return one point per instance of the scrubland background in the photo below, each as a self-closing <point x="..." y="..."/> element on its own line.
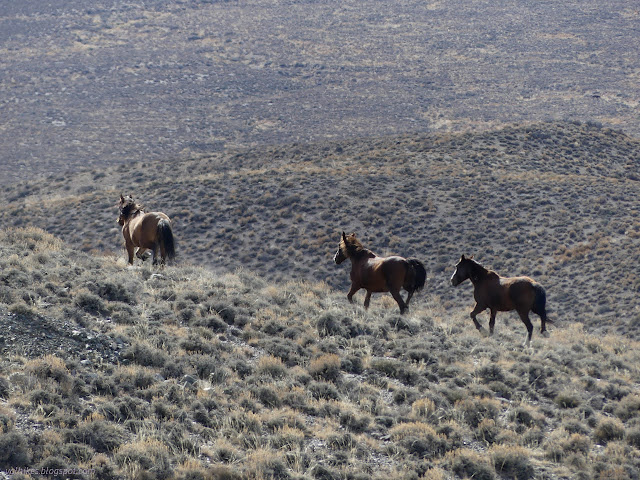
<point x="265" y="129"/>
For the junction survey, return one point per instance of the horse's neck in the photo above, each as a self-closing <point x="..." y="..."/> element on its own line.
<point x="479" y="273"/>
<point x="362" y="256"/>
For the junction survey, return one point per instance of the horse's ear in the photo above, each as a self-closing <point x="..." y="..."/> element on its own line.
<point x="471" y="257"/>
<point x="462" y="259"/>
<point x="344" y="236"/>
<point x="121" y="198"/>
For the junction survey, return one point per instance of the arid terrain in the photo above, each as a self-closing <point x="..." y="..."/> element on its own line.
<point x="504" y="130"/>
<point x="555" y="201"/>
<point x="113" y="82"/>
<point x="182" y="373"/>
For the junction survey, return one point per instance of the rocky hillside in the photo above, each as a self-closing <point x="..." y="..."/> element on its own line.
<point x="556" y="201"/>
<point x="180" y="373"/>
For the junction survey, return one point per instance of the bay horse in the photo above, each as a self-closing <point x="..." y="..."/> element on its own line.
<point x="502" y="294"/>
<point x="147" y="231"/>
<point x="379" y="274"/>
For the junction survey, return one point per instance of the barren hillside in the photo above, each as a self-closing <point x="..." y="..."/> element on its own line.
<point x="114" y="82"/>
<point x="556" y="201"/>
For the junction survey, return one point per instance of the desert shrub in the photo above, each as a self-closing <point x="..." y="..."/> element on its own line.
<point x="268" y="397"/>
<point x="14" y="451"/>
<point x="54" y="464"/>
<point x="77" y="453"/>
<point x="352" y="364"/>
<point x="354" y="423"/>
<point x="5" y="388"/>
<point x="145" y="355"/>
<point x="567" y="400"/>
<point x="420" y="439"/>
<point x="134" y="377"/>
<point x="90" y="303"/>
<point x="487" y="431"/>
<point x="271" y="366"/>
<point x="115" y="291"/>
<point x="475" y="411"/>
<point x="469" y="464"/>
<point x="422" y="355"/>
<point x="148" y="456"/>
<point x="325" y="367"/>
<point x="491" y="373"/>
<point x="102" y="436"/>
<point x="633" y="437"/>
<point x="423" y="408"/>
<point x="323" y="390"/>
<point x="512" y="462"/>
<point x="125" y="408"/>
<point x="607" y="430"/>
<point x="335" y="323"/>
<point x="628" y="408"/>
<point x="287" y="350"/>
<point x="396" y="369"/>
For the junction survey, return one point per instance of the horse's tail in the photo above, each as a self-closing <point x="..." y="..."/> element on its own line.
<point x="540" y="302"/>
<point x="419" y="274"/>
<point x="166" y="240"/>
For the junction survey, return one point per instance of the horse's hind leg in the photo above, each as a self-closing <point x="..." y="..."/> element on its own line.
<point x="543" y="324"/>
<point x="492" y="321"/>
<point x="527" y="323"/>
<point x="398" y="298"/>
<point x="410" y="294"/>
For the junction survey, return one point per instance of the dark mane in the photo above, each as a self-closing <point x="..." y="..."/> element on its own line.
<point x="477" y="270"/>
<point x="130" y="208"/>
<point x="353" y="248"/>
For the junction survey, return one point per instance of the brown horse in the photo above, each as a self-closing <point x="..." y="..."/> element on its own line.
<point x="380" y="274"/>
<point x="147" y="231"/>
<point x="502" y="294"/>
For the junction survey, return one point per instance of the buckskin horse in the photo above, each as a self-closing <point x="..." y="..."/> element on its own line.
<point x="379" y="274"/>
<point x="147" y="231"/>
<point x="502" y="294"/>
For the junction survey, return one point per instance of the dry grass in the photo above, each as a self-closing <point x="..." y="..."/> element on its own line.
<point x="268" y="381"/>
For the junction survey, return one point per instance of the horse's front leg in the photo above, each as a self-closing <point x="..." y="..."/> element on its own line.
<point x="352" y="292"/>
<point x="492" y="321"/>
<point x="476" y="310"/>
<point x="130" y="250"/>
<point x="367" y="299"/>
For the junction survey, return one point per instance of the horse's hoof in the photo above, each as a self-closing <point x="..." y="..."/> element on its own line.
<point x="545" y="334"/>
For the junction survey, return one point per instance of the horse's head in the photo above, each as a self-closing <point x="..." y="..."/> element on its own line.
<point x="463" y="271"/>
<point x="342" y="254"/>
<point x="127" y="207"/>
<point x="125" y="201"/>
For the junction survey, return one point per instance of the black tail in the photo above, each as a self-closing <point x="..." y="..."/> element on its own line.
<point x="167" y="243"/>
<point x="419" y="274"/>
<point x="540" y="302"/>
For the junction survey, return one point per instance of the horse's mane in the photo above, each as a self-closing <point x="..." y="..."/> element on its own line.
<point x="130" y="208"/>
<point x="478" y="271"/>
<point x="353" y="248"/>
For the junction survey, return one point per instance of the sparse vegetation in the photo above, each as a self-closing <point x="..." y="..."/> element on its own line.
<point x="306" y="386"/>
